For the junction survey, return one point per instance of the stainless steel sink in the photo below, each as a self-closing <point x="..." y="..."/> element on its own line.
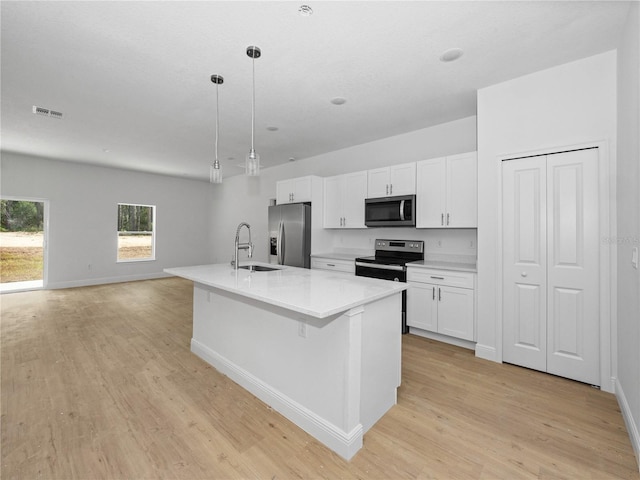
<point x="258" y="268"/>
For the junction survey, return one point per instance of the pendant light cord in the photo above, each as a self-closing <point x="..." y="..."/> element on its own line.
<point x="217" y="121"/>
<point x="253" y="104"/>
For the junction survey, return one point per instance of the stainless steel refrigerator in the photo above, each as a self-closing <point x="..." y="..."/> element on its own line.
<point x="290" y="235"/>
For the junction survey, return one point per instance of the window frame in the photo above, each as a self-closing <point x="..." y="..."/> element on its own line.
<point x="153" y="234"/>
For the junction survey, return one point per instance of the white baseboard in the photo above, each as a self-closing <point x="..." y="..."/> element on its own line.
<point x="345" y="444"/>
<point x="87" y="282"/>
<point x="632" y="426"/>
<point x="486" y="352"/>
<point x="442" y="338"/>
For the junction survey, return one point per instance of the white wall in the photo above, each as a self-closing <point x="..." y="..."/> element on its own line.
<point x="83" y="217"/>
<point x="241" y="198"/>
<point x="571" y="104"/>
<point x="628" y="200"/>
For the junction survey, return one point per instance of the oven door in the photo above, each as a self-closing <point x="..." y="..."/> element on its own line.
<point x="396" y="273"/>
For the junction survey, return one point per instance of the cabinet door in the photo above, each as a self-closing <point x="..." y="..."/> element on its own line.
<point x="354" y="193"/>
<point x="284" y="189"/>
<point x="431" y="177"/>
<point x="462" y="191"/>
<point x="333" y="202"/>
<point x="455" y="312"/>
<point x="378" y="183"/>
<point x="301" y="189"/>
<point x="402" y="179"/>
<point x="422" y="306"/>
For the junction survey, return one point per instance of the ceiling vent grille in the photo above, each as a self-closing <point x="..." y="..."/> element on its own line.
<point x="45" y="112"/>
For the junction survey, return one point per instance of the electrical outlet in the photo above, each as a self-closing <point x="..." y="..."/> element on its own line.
<point x="471" y="244"/>
<point x="89" y="267"/>
<point x="439" y="243"/>
<point x="302" y="329"/>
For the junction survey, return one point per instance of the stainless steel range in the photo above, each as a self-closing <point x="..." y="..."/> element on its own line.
<point x="390" y="263"/>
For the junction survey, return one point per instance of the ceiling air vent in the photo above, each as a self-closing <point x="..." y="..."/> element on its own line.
<point x="45" y="112"/>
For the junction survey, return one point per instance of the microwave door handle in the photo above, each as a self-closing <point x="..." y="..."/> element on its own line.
<point x="402" y="210"/>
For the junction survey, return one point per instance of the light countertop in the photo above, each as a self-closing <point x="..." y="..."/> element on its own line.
<point x="457" y="263"/>
<point x="317" y="293"/>
<point x="440" y="265"/>
<point x="350" y="256"/>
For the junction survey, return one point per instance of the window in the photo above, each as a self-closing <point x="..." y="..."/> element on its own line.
<point x="136" y="232"/>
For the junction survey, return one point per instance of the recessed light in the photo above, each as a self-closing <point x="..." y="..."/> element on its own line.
<point x="272" y="129"/>
<point x="338" y="101"/>
<point x="305" y="10"/>
<point x="451" y="55"/>
<point x="292" y="159"/>
<point x="106" y="150"/>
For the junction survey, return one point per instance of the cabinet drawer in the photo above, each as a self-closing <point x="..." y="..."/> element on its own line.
<point x="440" y="277"/>
<point x="333" y="265"/>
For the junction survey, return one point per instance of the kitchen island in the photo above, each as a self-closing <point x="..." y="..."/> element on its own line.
<point x="323" y="349"/>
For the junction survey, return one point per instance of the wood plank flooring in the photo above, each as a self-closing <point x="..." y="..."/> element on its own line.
<point x="99" y="383"/>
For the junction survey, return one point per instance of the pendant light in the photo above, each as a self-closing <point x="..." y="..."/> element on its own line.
<point x="215" y="174"/>
<point x="252" y="165"/>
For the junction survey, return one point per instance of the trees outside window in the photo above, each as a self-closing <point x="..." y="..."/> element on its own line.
<point x="136" y="232"/>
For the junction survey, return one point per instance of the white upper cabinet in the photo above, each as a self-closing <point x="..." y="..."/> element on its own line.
<point x="447" y="192"/>
<point x="391" y="181"/>
<point x="294" y="190"/>
<point x="344" y="200"/>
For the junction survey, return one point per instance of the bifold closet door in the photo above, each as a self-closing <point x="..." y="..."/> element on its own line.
<point x="573" y="293"/>
<point x="551" y="264"/>
<point x="525" y="262"/>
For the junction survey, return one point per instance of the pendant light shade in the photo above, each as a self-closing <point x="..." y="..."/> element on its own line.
<point x="252" y="165"/>
<point x="215" y="174"/>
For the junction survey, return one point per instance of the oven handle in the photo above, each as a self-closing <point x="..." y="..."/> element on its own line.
<point x="397" y="268"/>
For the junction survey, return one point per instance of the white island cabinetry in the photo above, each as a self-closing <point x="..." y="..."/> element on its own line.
<point x="323" y="349"/>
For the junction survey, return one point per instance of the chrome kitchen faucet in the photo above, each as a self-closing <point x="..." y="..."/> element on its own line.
<point x="242" y="246"/>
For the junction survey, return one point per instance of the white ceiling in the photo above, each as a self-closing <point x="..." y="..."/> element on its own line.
<point x="133" y="78"/>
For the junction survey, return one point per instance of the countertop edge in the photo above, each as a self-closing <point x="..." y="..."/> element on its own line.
<point x="393" y="289"/>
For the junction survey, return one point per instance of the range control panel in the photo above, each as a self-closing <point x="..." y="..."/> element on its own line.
<point x="416" y="246"/>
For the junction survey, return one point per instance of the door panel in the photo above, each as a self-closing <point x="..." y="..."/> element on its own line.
<point x="524" y="263"/>
<point x="431" y="180"/>
<point x="455" y="312"/>
<point x="573" y="266"/>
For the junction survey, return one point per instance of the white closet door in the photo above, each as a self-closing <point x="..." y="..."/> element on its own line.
<point x="573" y="313"/>
<point x="524" y="263"/>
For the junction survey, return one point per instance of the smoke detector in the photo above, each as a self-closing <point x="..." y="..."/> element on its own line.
<point x="46" y="112"/>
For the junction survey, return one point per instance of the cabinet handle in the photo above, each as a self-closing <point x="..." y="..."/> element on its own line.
<point x="437" y="278"/>
<point x="447" y="219"/>
<point x="387" y="188"/>
<point x="331" y="265"/>
<point x="442" y="219"/>
<point x="391" y="189"/>
<point x="434" y="293"/>
<point x="439" y="294"/>
<point x="345" y="221"/>
<point x="523" y="274"/>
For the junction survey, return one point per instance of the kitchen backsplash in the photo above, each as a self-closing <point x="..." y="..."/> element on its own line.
<point x="454" y="241"/>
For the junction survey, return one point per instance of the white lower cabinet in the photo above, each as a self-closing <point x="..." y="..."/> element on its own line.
<point x="334" y="265"/>
<point x="442" y="302"/>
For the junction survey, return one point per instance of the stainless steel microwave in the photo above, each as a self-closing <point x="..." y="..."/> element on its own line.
<point x="390" y="211"/>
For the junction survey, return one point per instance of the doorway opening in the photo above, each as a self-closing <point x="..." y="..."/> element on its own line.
<point x="22" y="245"/>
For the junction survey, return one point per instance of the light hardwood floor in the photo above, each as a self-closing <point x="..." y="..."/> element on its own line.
<point x="99" y="382"/>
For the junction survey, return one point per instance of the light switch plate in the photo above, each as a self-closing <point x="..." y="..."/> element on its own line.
<point x="634" y="257"/>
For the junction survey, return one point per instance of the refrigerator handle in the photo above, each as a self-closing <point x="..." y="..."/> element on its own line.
<point x="281" y="243"/>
